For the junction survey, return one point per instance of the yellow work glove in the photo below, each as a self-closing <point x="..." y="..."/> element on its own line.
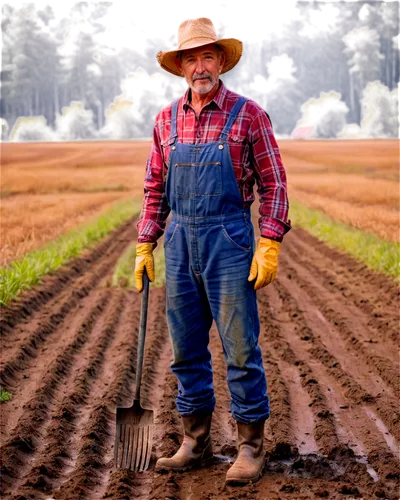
<point x="264" y="265"/>
<point x="144" y="259"/>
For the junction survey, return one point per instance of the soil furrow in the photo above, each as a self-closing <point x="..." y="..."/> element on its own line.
<point x="24" y="306"/>
<point x="311" y="327"/>
<point x="351" y="324"/>
<point x="293" y="416"/>
<point x="350" y="280"/>
<point x="324" y="433"/>
<point x="282" y="445"/>
<point x="20" y="356"/>
<point x="87" y="465"/>
<point x="28" y="434"/>
<point x="298" y="404"/>
<point x="366" y="440"/>
<point x="53" y="458"/>
<point x="45" y="356"/>
<point x="114" y="357"/>
<point x="165" y="486"/>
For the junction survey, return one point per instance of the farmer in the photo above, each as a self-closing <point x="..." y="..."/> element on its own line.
<point x="209" y="147"/>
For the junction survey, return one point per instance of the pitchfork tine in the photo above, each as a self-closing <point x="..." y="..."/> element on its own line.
<point x="134" y="448"/>
<point x="144" y="446"/>
<point x="116" y="447"/>
<point x="138" y="448"/>
<point x="148" y="451"/>
<point x="134" y="463"/>
<point x="131" y="449"/>
<point x="126" y="446"/>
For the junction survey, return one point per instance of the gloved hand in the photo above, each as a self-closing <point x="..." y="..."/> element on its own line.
<point x="144" y="259"/>
<point x="264" y="265"/>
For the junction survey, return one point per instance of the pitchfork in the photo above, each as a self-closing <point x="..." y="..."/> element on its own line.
<point x="134" y="432"/>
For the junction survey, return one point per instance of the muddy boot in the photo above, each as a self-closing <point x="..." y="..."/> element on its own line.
<point x="196" y="447"/>
<point x="250" y="459"/>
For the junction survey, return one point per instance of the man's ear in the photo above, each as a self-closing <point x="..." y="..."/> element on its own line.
<point x="178" y="63"/>
<point x="222" y="59"/>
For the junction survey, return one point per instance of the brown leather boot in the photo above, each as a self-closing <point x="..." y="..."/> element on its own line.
<point x="250" y="458"/>
<point x="196" y="448"/>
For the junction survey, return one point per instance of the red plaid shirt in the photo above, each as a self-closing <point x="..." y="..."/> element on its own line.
<point x="255" y="158"/>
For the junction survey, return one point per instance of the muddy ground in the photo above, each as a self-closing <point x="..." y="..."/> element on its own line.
<point x="330" y="342"/>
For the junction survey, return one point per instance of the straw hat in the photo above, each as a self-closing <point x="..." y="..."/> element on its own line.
<point x="195" y="33"/>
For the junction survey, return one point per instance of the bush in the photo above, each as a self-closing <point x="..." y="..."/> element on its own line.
<point x="395" y="121"/>
<point x="3" y="130"/>
<point x="75" y="123"/>
<point x="105" y="133"/>
<point x="146" y="91"/>
<point x="331" y="123"/>
<point x="352" y="131"/>
<point x="380" y="110"/>
<point x="123" y="116"/>
<point x="327" y="112"/>
<point x="30" y="128"/>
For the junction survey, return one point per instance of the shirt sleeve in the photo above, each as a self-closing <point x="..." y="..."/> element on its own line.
<point x="155" y="208"/>
<point x="270" y="176"/>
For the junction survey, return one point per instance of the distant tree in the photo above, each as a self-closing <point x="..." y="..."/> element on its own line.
<point x="4" y="129"/>
<point x="78" y="62"/>
<point x="123" y="118"/>
<point x="149" y="94"/>
<point x="395" y="101"/>
<point x="363" y="51"/>
<point x="352" y="131"/>
<point x="31" y="64"/>
<point x="31" y="128"/>
<point x="75" y="123"/>
<point x="380" y="111"/>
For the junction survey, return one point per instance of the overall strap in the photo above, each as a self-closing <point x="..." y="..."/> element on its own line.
<point x="232" y="117"/>
<point x="174" y="132"/>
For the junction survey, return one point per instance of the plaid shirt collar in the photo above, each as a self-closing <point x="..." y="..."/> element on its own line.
<point x="218" y="99"/>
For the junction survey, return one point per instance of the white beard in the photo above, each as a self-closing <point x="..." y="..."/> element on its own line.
<point x="202" y="87"/>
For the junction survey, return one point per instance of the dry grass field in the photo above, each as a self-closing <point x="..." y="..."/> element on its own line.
<point x="355" y="182"/>
<point x="50" y="188"/>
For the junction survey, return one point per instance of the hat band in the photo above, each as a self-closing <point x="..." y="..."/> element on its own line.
<point x="203" y="40"/>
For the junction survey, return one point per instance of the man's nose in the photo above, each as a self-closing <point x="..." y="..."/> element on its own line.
<point x="199" y="66"/>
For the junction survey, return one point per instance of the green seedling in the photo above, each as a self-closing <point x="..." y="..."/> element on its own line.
<point x="5" y="396"/>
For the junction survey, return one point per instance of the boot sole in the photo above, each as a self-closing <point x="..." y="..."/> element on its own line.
<point x="199" y="465"/>
<point x="241" y="481"/>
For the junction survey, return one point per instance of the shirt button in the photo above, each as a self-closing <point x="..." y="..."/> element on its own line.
<point x="221" y="146"/>
<point x="173" y="148"/>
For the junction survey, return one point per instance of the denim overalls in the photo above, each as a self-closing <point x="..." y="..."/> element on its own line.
<point x="209" y="245"/>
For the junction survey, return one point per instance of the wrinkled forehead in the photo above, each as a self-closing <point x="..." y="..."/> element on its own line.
<point x="204" y="49"/>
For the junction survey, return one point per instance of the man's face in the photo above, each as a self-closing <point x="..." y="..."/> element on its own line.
<point x="201" y="67"/>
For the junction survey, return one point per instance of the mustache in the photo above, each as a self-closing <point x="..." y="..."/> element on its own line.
<point x="198" y="76"/>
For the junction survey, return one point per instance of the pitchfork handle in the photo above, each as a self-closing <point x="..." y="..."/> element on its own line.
<point x="142" y="333"/>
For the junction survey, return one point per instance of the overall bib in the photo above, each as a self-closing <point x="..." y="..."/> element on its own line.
<point x="209" y="246"/>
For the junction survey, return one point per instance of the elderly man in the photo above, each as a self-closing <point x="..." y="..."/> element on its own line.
<point x="209" y="148"/>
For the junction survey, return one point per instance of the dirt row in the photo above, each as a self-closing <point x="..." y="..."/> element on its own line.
<point x="330" y="344"/>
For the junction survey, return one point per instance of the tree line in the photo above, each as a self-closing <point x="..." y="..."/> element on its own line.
<point x="52" y="67"/>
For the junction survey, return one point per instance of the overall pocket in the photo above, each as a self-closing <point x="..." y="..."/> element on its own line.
<point x="198" y="179"/>
<point x="239" y="234"/>
<point x="170" y="233"/>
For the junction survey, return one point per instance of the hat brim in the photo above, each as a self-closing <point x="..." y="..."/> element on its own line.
<point x="232" y="48"/>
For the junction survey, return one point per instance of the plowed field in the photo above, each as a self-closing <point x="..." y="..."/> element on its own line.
<point x="330" y="343"/>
